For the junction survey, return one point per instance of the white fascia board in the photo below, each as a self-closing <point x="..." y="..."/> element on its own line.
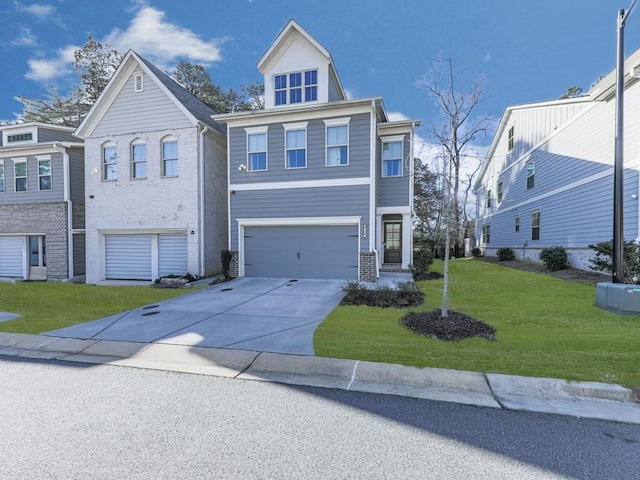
<point x="404" y="209"/>
<point x="339" y="182"/>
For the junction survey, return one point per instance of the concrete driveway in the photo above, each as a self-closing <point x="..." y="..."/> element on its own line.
<point x="261" y="314"/>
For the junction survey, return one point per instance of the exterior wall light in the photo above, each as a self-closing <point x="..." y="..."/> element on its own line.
<point x="242" y="167"/>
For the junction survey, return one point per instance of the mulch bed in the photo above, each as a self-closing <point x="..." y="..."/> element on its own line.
<point x="455" y="327"/>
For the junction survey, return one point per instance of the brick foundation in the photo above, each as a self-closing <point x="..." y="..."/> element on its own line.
<point x="233" y="266"/>
<point x="368" y="267"/>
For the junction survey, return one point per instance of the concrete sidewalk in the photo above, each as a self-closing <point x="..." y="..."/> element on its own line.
<point x="579" y="399"/>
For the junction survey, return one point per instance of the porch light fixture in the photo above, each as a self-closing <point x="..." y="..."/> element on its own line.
<point x="242" y="167"/>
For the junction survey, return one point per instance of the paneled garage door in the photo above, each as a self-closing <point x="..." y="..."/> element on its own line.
<point x="12" y="257"/>
<point x="310" y="251"/>
<point x="128" y="257"/>
<point x="172" y="250"/>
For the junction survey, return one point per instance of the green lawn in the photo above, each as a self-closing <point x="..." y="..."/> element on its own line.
<point x="50" y="305"/>
<point x="546" y="327"/>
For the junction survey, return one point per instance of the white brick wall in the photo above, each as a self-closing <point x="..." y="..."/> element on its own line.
<point x="151" y="205"/>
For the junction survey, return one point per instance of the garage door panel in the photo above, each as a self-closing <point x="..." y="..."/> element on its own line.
<point x="12" y="257"/>
<point x="310" y="251"/>
<point x="128" y="257"/>
<point x="172" y="252"/>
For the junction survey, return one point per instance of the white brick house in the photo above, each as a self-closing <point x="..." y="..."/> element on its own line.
<point x="155" y="179"/>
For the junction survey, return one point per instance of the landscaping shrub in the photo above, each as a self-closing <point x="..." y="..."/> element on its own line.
<point x="225" y="258"/>
<point x="555" y="258"/>
<point x="476" y="252"/>
<point x="505" y="254"/>
<point x="603" y="261"/>
<point x="422" y="260"/>
<point x="405" y="294"/>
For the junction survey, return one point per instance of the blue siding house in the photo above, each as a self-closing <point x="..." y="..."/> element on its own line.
<point x="548" y="177"/>
<point x="319" y="185"/>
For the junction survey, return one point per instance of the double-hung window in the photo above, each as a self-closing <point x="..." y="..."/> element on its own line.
<point x="510" y="139"/>
<point x="296" y="145"/>
<point x="1" y="176"/>
<point x="109" y="163"/>
<point x="44" y="174"/>
<point x="169" y="158"/>
<point x="489" y="197"/>
<point x="499" y="192"/>
<point x="256" y="148"/>
<point x="311" y="86"/>
<point x="20" y="171"/>
<point x="531" y="174"/>
<point x="337" y="135"/>
<point x="392" y="157"/>
<point x="535" y="226"/>
<point x="486" y="234"/>
<point x="296" y="87"/>
<point x="280" y="85"/>
<point x="517" y="223"/>
<point x="139" y="160"/>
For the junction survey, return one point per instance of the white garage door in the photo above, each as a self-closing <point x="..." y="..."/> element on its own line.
<point x="309" y="251"/>
<point x="128" y="257"/>
<point x="12" y="257"/>
<point x="172" y="252"/>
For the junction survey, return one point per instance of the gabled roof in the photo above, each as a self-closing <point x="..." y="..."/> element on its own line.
<point x="195" y="110"/>
<point x="290" y="30"/>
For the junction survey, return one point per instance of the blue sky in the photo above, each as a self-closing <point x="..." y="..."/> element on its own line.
<point x="528" y="51"/>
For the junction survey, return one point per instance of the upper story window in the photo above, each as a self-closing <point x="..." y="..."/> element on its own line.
<point x="19" y="136"/>
<point x="169" y="157"/>
<point x="296" y="145"/>
<point x="392" y="157"/>
<point x="257" y="148"/>
<point x="109" y="162"/>
<point x="44" y="174"/>
<point x="337" y="138"/>
<point x="20" y="171"/>
<point x="489" y="199"/>
<point x="531" y="174"/>
<point x="510" y="139"/>
<point x="500" y="195"/>
<point x="296" y="87"/>
<point x="139" y="160"/>
<point x="1" y="176"/>
<point x="535" y="226"/>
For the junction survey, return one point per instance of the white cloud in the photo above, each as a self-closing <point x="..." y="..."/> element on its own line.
<point x="48" y="69"/>
<point x="349" y="94"/>
<point x="151" y="35"/>
<point x="26" y="39"/>
<point x="40" y="11"/>
<point x="487" y="57"/>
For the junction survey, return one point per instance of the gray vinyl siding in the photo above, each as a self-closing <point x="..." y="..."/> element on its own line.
<point x="79" y="254"/>
<point x="76" y="174"/>
<point x="359" y="154"/>
<point x="301" y="202"/>
<point x="33" y="195"/>
<point x="132" y="111"/>
<point x="50" y="135"/>
<point x="394" y="191"/>
<point x="334" y="94"/>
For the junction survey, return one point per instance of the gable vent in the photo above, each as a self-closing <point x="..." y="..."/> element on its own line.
<point x="138" y="84"/>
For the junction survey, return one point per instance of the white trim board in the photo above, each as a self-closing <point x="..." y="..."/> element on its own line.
<point x="342" y="182"/>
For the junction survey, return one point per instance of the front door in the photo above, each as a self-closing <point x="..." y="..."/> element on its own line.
<point x="37" y="258"/>
<point x="393" y="242"/>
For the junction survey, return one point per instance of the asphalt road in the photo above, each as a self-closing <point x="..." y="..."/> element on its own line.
<point x="70" y="421"/>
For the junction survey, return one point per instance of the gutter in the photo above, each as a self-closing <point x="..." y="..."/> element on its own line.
<point x="67" y="200"/>
<point x="204" y="130"/>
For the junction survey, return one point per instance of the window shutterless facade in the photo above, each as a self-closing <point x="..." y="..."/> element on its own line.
<point x="531" y="174"/>
<point x="44" y="175"/>
<point x="488" y="202"/>
<point x="139" y="160"/>
<point x="392" y="158"/>
<point x="337" y="142"/>
<point x="109" y="163"/>
<point x="296" y="87"/>
<point x="296" y="145"/>
<point x="257" y="150"/>
<point x="517" y="223"/>
<point x="510" y="140"/>
<point x="535" y="226"/>
<point x="170" y="158"/>
<point x="499" y="192"/>
<point x="486" y="233"/>
<point x="20" y="172"/>
<point x="1" y="176"/>
<point x="20" y="137"/>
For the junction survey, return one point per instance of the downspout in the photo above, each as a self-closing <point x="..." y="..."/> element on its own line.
<point x="373" y="220"/>
<point x="411" y="185"/>
<point x="204" y="130"/>
<point x="67" y="199"/>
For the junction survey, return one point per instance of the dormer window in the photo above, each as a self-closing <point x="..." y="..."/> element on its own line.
<point x="296" y="87"/>
<point x="19" y="137"/>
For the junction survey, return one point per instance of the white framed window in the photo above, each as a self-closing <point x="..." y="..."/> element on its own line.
<point x="486" y="234"/>
<point x="337" y="142"/>
<point x="296" y="87"/>
<point x="257" y="149"/>
<point x="169" y="157"/>
<point x="138" y="159"/>
<point x="392" y="156"/>
<point x="1" y="176"/>
<point x="517" y="223"/>
<point x="531" y="174"/>
<point x="295" y="145"/>
<point x="109" y="162"/>
<point x="489" y="199"/>
<point x="500" y="195"/>
<point x="44" y="173"/>
<point x="20" y="174"/>
<point x="510" y="139"/>
<point x="535" y="225"/>
<point x="19" y="136"/>
<point x="138" y="82"/>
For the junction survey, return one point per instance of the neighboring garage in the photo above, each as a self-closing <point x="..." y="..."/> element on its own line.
<point x="12" y="257"/>
<point x="309" y="251"/>
<point x="145" y="256"/>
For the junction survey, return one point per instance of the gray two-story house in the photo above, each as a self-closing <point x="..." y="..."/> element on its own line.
<point x="320" y="186"/>
<point x="41" y="202"/>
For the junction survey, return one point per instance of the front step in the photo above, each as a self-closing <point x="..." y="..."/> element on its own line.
<point x="394" y="268"/>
